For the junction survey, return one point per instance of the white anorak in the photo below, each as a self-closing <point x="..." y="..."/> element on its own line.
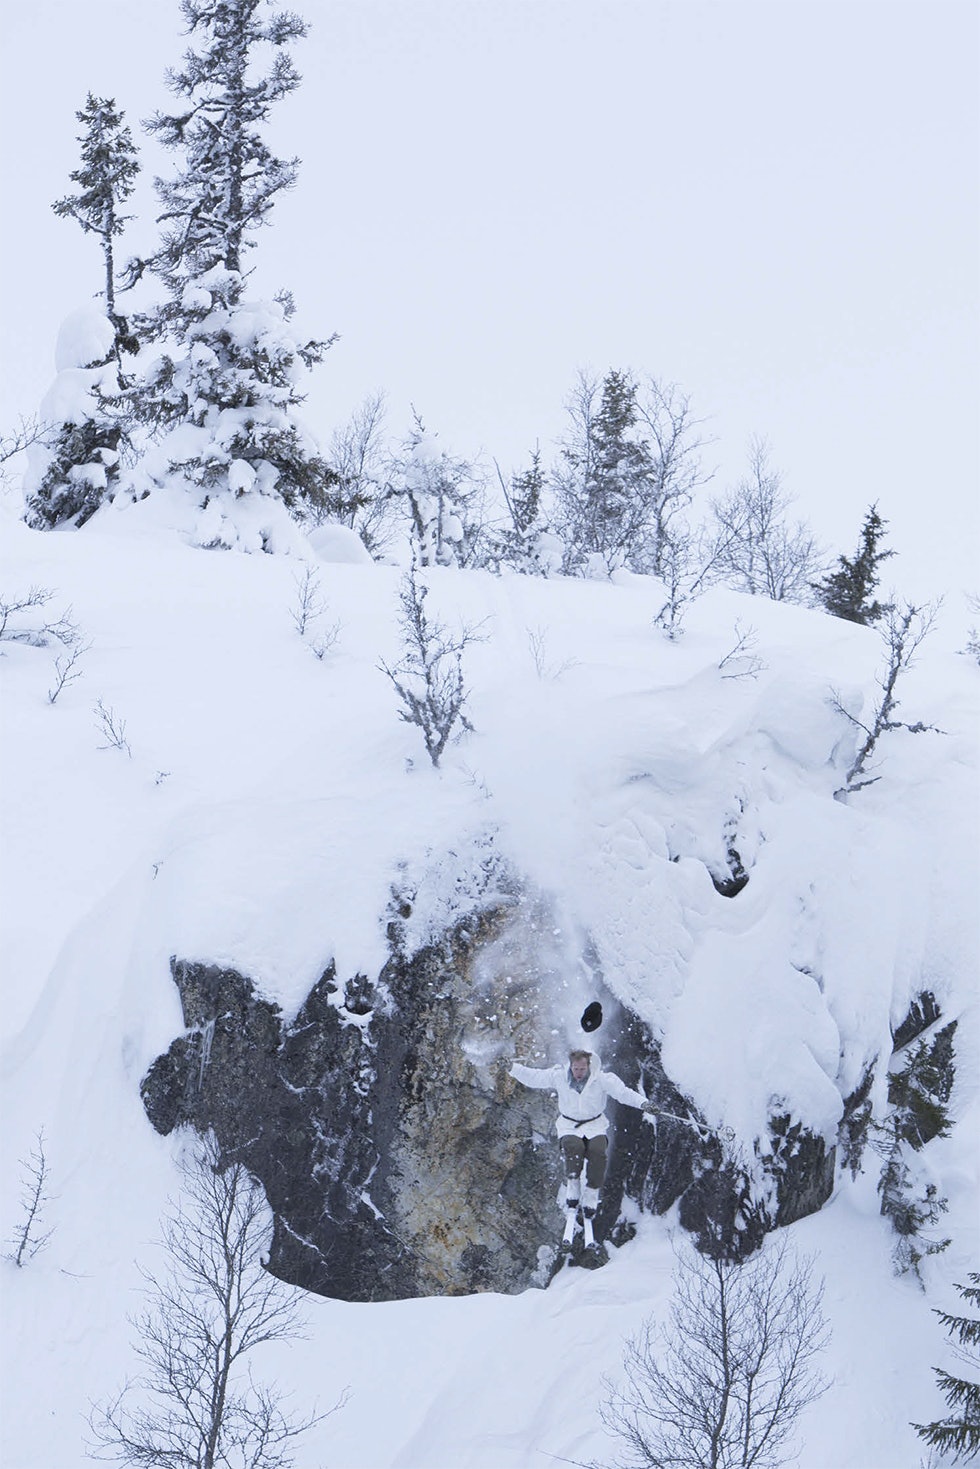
<point x="580" y="1113"/>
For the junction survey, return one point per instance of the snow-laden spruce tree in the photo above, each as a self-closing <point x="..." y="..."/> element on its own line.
<point x="526" y="542"/>
<point x="604" y="485"/>
<point x="106" y="179"/>
<point x="221" y="373"/>
<point x="918" y="1111"/>
<point x="958" y="1434"/>
<point x="76" y="466"/>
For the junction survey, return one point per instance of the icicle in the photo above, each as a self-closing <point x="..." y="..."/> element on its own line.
<point x="207" y="1037"/>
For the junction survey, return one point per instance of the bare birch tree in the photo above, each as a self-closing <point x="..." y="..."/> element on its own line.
<point x="196" y="1404"/>
<point x="765" y="553"/>
<point x="722" y="1383"/>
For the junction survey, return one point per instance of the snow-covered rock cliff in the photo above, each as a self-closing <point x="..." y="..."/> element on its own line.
<point x="268" y="886"/>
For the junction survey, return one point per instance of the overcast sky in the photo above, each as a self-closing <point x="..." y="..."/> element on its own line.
<point x="774" y="204"/>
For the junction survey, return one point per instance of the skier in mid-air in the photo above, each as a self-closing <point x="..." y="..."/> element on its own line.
<point x="582" y="1087"/>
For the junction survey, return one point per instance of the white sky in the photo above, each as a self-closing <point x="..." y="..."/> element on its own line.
<point x="774" y="203"/>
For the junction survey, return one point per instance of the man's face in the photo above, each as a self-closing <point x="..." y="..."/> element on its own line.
<point x="580" y="1068"/>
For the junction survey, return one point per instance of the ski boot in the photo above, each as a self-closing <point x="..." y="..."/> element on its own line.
<point x="593" y="1254"/>
<point x="571" y="1217"/>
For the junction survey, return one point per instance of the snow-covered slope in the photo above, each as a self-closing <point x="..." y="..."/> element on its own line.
<point x="266" y="803"/>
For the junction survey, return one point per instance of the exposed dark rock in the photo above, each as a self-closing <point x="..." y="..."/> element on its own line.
<point x="923" y="1012"/>
<point x="398" y="1156"/>
<point x="730" y="883"/>
<point x="803" y="1167"/>
<point x="394" y="1151"/>
<point x="720" y="1212"/>
<point x="675" y="1162"/>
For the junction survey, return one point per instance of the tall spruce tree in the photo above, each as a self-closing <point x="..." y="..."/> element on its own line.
<point x="79" y="466"/>
<point x="604" y="488"/>
<point x="849" y="591"/>
<point x="958" y="1434"/>
<point x="106" y="179"/>
<point x="224" y="372"/>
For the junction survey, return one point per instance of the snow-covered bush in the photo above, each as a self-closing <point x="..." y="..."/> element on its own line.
<point x="31" y="1234"/>
<point x="688" y="562"/>
<point x="359" y="462"/>
<point x="972" y="645"/>
<point x="75" y="467"/>
<point x="308" y="612"/>
<point x="23" y="619"/>
<point x="442" y="500"/>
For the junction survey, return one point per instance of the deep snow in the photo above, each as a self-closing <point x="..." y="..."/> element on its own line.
<point x="270" y="801"/>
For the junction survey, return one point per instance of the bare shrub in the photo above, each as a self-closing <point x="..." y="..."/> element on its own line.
<point x="429" y="678"/>
<point x="23" y="620"/>
<point x="902" y="631"/>
<point x="112" y="728"/>
<point x="741" y="660"/>
<point x="31" y="1236"/>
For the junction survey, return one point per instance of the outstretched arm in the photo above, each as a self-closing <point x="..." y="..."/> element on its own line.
<point x="542" y="1078"/>
<point x="623" y="1093"/>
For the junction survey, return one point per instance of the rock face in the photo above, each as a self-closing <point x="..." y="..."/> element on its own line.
<point x="381" y="1120"/>
<point x="398" y="1156"/>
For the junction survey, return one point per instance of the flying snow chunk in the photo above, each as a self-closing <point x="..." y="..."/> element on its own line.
<point x="85" y="338"/>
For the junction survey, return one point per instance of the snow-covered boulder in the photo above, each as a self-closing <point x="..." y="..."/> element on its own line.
<point x="339" y="544"/>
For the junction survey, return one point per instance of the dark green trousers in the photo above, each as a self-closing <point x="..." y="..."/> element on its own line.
<point x="588" y="1150"/>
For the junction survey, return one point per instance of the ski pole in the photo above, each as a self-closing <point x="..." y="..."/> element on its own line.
<point x="699" y="1127"/>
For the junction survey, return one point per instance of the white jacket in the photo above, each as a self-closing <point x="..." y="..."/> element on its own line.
<point x="580" y="1113"/>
